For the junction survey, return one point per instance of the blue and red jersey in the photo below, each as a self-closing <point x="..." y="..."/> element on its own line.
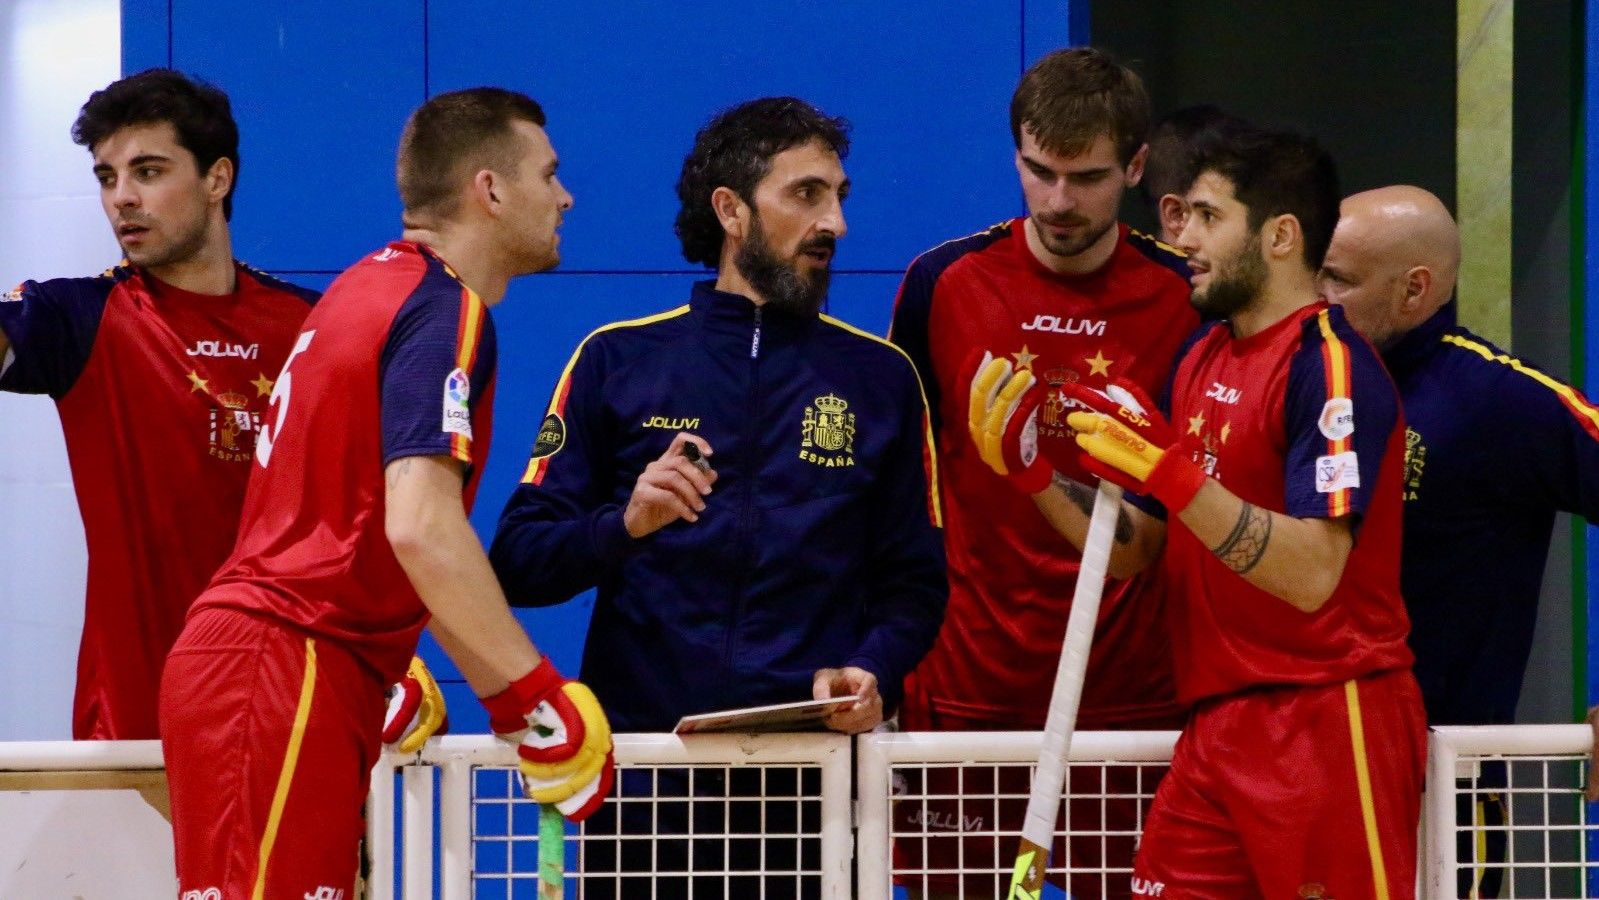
<point x="397" y="361"/>
<point x="1300" y="418"/>
<point x="161" y="394"/>
<point x="1011" y="574"/>
<point x="1494" y="448"/>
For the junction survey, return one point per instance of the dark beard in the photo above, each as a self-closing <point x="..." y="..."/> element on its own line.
<point x="779" y="281"/>
<point x="1234" y="289"/>
<point x="1070" y="248"/>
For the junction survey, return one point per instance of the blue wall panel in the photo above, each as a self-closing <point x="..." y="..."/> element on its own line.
<point x="146" y="35"/>
<point x="320" y="91"/>
<point x="927" y="88"/>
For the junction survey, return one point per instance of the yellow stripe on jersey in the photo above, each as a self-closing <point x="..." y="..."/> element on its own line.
<point x="1574" y="400"/>
<point x="467" y="336"/>
<point x="1368" y="802"/>
<point x="535" y="467"/>
<point x="1335" y="362"/>
<point x="291" y="759"/>
<point x="929" y="449"/>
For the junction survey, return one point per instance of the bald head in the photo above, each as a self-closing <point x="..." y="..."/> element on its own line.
<point x="1393" y="260"/>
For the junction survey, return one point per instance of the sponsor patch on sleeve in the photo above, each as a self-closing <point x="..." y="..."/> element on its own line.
<point x="1337" y="472"/>
<point x="1337" y="418"/>
<point x="457" y="414"/>
<point x="552" y="437"/>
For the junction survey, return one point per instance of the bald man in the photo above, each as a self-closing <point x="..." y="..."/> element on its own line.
<point x="1494" y="449"/>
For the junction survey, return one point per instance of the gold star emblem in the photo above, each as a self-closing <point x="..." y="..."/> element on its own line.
<point x="1195" y="423"/>
<point x="198" y="382"/>
<point x="1226" y="429"/>
<point x="1098" y="364"/>
<point x="263" y="385"/>
<point x="1024" y="360"/>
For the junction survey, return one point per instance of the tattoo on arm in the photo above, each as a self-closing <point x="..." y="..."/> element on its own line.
<point x="398" y="469"/>
<point x="1244" y="548"/>
<point x="1082" y="497"/>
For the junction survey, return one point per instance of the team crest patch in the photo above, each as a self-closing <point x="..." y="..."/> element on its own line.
<point x="827" y="432"/>
<point x="233" y="427"/>
<point x="1415" y="463"/>
<point x="552" y="437"/>
<point x="1337" y="418"/>
<point x="457" y="414"/>
<point x="1337" y="472"/>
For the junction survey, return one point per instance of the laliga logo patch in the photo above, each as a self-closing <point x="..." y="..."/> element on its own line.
<point x="457" y="415"/>
<point x="1337" y="418"/>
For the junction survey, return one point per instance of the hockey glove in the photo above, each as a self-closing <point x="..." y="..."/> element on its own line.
<point x="1002" y="418"/>
<point x="562" y="737"/>
<point x="416" y="710"/>
<point x="1128" y="441"/>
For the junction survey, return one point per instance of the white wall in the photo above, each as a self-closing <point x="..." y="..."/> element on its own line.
<point x="53" y="53"/>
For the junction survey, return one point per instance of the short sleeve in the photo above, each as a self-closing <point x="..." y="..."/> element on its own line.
<point x="436" y="370"/>
<point x="1340" y="409"/>
<point x="51" y="327"/>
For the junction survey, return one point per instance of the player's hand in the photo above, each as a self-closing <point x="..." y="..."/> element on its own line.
<point x="562" y="737"/>
<point x="1126" y="439"/>
<point x="1002" y="418"/>
<point x="416" y="710"/>
<point x="670" y="488"/>
<point x="862" y="715"/>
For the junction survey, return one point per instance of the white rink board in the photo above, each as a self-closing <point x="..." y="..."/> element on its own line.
<point x="83" y="845"/>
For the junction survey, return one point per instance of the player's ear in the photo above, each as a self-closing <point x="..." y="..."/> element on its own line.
<point x="1135" y="166"/>
<point x="219" y="179"/>
<point x="1173" y="215"/>
<point x="731" y="211"/>
<point x="1283" y="236"/>
<point x="1418" y="283"/>
<point x="484" y="191"/>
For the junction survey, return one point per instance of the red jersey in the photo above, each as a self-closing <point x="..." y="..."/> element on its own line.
<point x="1300" y="418"/>
<point x="1011" y="574"/>
<point x="160" y="393"/>
<point x="396" y="361"/>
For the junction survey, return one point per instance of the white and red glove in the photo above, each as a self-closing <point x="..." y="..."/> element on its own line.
<point x="1128" y="441"/>
<point x="416" y="710"/>
<point x="1002" y="418"/>
<point x="562" y="737"/>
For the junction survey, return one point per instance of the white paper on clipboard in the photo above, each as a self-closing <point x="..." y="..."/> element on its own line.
<point x="805" y="715"/>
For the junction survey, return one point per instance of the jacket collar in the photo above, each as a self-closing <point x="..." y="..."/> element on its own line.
<point x="721" y="315"/>
<point x="1415" y="348"/>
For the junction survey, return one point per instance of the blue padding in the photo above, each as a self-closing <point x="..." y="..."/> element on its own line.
<point x="927" y="87"/>
<point x="320" y="91"/>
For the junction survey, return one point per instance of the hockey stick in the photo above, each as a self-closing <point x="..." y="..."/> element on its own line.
<point x="1038" y="828"/>
<point x="552" y="853"/>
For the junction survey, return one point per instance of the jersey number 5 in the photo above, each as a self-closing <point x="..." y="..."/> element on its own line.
<point x="280" y="401"/>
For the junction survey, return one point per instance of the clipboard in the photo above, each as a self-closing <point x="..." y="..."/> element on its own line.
<point x="805" y="715"/>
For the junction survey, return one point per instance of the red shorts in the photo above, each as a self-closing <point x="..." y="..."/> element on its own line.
<point x="1310" y="792"/>
<point x="269" y="737"/>
<point x="955" y="830"/>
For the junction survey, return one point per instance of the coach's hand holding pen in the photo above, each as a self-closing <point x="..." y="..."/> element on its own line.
<point x="672" y="487"/>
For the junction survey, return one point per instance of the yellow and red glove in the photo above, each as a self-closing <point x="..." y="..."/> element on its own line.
<point x="562" y="738"/>
<point x="415" y="711"/>
<point x="1128" y="441"/>
<point x="1002" y="419"/>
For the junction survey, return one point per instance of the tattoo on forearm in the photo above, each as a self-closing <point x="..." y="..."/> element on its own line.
<point x="1244" y="548"/>
<point x="396" y="470"/>
<point x="1082" y="497"/>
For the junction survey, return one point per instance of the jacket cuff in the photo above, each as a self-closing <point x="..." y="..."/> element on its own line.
<point x="612" y="543"/>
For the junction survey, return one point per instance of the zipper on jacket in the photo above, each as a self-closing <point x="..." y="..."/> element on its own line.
<point x="746" y="525"/>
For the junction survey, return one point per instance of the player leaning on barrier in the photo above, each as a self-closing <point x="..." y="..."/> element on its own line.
<point x="805" y="559"/>
<point x="1493" y="449"/>
<point x="355" y="532"/>
<point x="1299" y="772"/>
<point x="1069" y="294"/>
<point x="160" y="369"/>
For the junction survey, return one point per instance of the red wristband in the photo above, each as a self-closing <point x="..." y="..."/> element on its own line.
<point x="1175" y="480"/>
<point x="509" y="708"/>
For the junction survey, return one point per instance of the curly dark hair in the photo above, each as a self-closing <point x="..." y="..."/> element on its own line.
<point x="199" y="113"/>
<point x="735" y="150"/>
<point x="1274" y="173"/>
